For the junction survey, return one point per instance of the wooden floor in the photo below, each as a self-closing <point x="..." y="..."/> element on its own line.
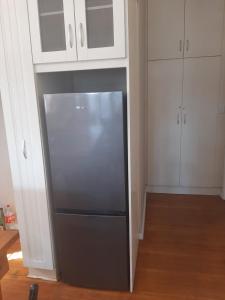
<point x="181" y="258"/>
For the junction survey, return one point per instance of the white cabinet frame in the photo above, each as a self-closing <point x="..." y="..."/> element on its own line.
<point x="70" y="53"/>
<point x="118" y="50"/>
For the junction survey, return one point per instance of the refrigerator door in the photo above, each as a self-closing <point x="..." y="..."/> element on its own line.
<point x="93" y="251"/>
<point x="87" y="145"/>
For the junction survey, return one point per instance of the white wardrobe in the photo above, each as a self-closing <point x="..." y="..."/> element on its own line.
<point x="185" y="104"/>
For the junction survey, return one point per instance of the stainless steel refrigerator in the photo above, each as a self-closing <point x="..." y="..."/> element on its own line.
<point x="87" y="147"/>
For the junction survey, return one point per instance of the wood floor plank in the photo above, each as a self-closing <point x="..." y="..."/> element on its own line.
<point x="181" y="258"/>
<point x="189" y="284"/>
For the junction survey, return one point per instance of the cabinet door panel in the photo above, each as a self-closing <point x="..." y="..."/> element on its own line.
<point x="100" y="29"/>
<point x="52" y="27"/>
<point x="19" y="101"/>
<point x="199" y="132"/>
<point x="164" y="125"/>
<point x="100" y="23"/>
<point x="203" y="27"/>
<point x="165" y="28"/>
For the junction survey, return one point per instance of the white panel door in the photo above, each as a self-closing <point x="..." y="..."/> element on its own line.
<point x="164" y="122"/>
<point x="203" y="27"/>
<point x="52" y="28"/>
<point x="165" y="29"/>
<point x="100" y="29"/>
<point x="17" y="85"/>
<point x="199" y="133"/>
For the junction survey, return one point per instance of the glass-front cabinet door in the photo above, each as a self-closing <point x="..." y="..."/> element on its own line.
<point x="52" y="25"/>
<point x="100" y="29"/>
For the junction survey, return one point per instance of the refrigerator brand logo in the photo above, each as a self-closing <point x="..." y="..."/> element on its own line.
<point x="80" y="107"/>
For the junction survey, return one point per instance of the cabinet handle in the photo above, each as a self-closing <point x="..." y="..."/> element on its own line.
<point x="25" y="150"/>
<point x="179" y="115"/>
<point x="187" y="45"/>
<point x="180" y="45"/>
<point x="71" y="36"/>
<point x="185" y="119"/>
<point x="178" y="118"/>
<point x="81" y="35"/>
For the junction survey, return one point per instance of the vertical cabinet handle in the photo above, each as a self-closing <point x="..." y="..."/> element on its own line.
<point x="187" y="45"/>
<point x="179" y="115"/>
<point x="71" y="36"/>
<point x="24" y="149"/>
<point x="184" y="116"/>
<point x="81" y="35"/>
<point x="180" y="45"/>
<point x="178" y="118"/>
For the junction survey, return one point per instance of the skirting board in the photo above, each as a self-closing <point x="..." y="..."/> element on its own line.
<point x="42" y="274"/>
<point x="184" y="190"/>
<point x="222" y="194"/>
<point x="142" y="225"/>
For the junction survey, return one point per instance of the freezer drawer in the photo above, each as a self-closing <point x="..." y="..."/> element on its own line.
<point x="93" y="251"/>
<point x="87" y="149"/>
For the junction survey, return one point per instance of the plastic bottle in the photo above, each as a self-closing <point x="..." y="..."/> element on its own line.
<point x="2" y="219"/>
<point x="10" y="217"/>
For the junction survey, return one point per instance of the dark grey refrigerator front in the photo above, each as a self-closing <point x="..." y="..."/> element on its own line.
<point x="87" y="148"/>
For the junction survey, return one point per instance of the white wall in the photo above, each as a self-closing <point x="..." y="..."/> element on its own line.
<point x="6" y="188"/>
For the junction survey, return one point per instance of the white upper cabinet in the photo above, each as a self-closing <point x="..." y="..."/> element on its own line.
<point x="165" y="29"/>
<point x="67" y="30"/>
<point x="203" y="27"/>
<point x="100" y="29"/>
<point x="185" y="28"/>
<point x="52" y="26"/>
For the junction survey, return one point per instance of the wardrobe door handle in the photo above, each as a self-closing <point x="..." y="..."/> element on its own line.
<point x="185" y="119"/>
<point x="178" y="118"/>
<point x="187" y="45"/>
<point x="25" y="150"/>
<point x="180" y="45"/>
<point x="179" y="115"/>
<point x="70" y="30"/>
<point x="81" y="35"/>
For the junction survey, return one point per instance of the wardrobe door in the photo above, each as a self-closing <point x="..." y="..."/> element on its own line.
<point x="165" y="28"/>
<point x="203" y="27"/>
<point x="164" y="122"/>
<point x="199" y="132"/>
